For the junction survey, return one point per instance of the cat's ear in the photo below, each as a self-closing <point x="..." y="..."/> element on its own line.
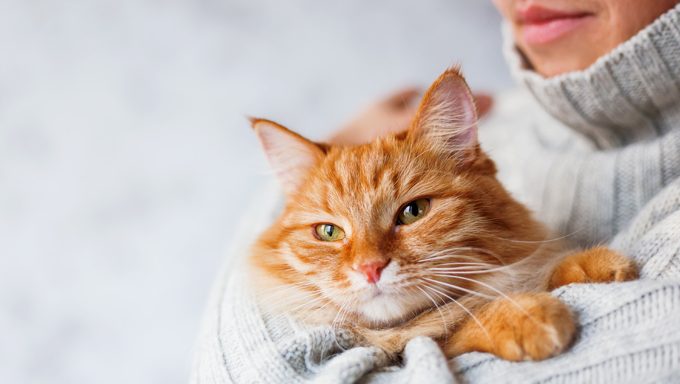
<point x="447" y="115"/>
<point x="289" y="154"/>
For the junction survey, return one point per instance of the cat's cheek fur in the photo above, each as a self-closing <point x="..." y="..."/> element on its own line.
<point x="294" y="262"/>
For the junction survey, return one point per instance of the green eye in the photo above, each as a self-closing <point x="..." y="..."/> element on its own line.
<point x="329" y="232"/>
<point x="413" y="211"/>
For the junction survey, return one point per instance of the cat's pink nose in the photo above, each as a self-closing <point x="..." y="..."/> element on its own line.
<point x="373" y="270"/>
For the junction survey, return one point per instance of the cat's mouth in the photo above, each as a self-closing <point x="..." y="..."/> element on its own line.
<point x="372" y="292"/>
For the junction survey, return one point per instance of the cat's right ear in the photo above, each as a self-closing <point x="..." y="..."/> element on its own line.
<point x="447" y="116"/>
<point x="289" y="154"/>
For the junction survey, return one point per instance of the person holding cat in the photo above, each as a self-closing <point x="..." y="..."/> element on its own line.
<point x="591" y="145"/>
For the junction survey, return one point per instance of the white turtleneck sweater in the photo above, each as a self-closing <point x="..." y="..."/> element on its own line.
<point x="596" y="155"/>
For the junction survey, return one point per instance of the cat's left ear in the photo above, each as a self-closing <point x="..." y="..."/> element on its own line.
<point x="289" y="154"/>
<point x="447" y="116"/>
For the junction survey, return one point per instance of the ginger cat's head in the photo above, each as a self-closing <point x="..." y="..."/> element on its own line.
<point x="378" y="233"/>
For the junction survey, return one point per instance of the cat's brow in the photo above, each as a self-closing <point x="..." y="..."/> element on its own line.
<point x="319" y="216"/>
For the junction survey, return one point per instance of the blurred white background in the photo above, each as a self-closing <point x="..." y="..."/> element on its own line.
<point x="126" y="163"/>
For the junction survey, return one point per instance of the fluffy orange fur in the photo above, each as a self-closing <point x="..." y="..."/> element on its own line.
<point x="472" y="272"/>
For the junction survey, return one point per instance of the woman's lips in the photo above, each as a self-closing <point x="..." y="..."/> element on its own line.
<point x="542" y="25"/>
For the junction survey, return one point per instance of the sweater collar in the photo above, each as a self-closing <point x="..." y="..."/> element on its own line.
<point x="626" y="96"/>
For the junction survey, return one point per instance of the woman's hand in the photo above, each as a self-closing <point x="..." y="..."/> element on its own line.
<point x="392" y="115"/>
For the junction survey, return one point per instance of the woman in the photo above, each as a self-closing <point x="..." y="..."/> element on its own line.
<point x="592" y="144"/>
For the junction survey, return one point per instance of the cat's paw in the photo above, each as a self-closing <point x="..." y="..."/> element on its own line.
<point x="529" y="327"/>
<point x="389" y="341"/>
<point x="595" y="265"/>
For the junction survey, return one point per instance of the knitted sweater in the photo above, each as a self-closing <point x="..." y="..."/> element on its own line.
<point x="602" y="165"/>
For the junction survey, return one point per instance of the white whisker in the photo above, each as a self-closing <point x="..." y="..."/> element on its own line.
<point x="459" y="288"/>
<point x="505" y="296"/>
<point x="438" y="309"/>
<point x="472" y="315"/>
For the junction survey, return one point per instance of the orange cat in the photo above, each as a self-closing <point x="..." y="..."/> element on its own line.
<point x="413" y="235"/>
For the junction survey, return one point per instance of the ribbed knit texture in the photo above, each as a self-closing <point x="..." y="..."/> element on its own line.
<point x="626" y="106"/>
<point x="603" y="166"/>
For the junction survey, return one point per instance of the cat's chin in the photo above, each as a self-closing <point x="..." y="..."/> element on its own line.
<point x="386" y="310"/>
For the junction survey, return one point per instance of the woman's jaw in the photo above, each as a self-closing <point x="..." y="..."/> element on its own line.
<point x="559" y="36"/>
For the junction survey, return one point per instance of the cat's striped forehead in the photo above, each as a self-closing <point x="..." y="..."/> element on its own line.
<point x="366" y="182"/>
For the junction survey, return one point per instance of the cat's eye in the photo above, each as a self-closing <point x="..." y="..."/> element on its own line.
<point x="329" y="232"/>
<point x="413" y="211"/>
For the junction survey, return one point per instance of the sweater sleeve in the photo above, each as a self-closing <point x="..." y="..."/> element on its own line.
<point x="629" y="332"/>
<point x="652" y="238"/>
